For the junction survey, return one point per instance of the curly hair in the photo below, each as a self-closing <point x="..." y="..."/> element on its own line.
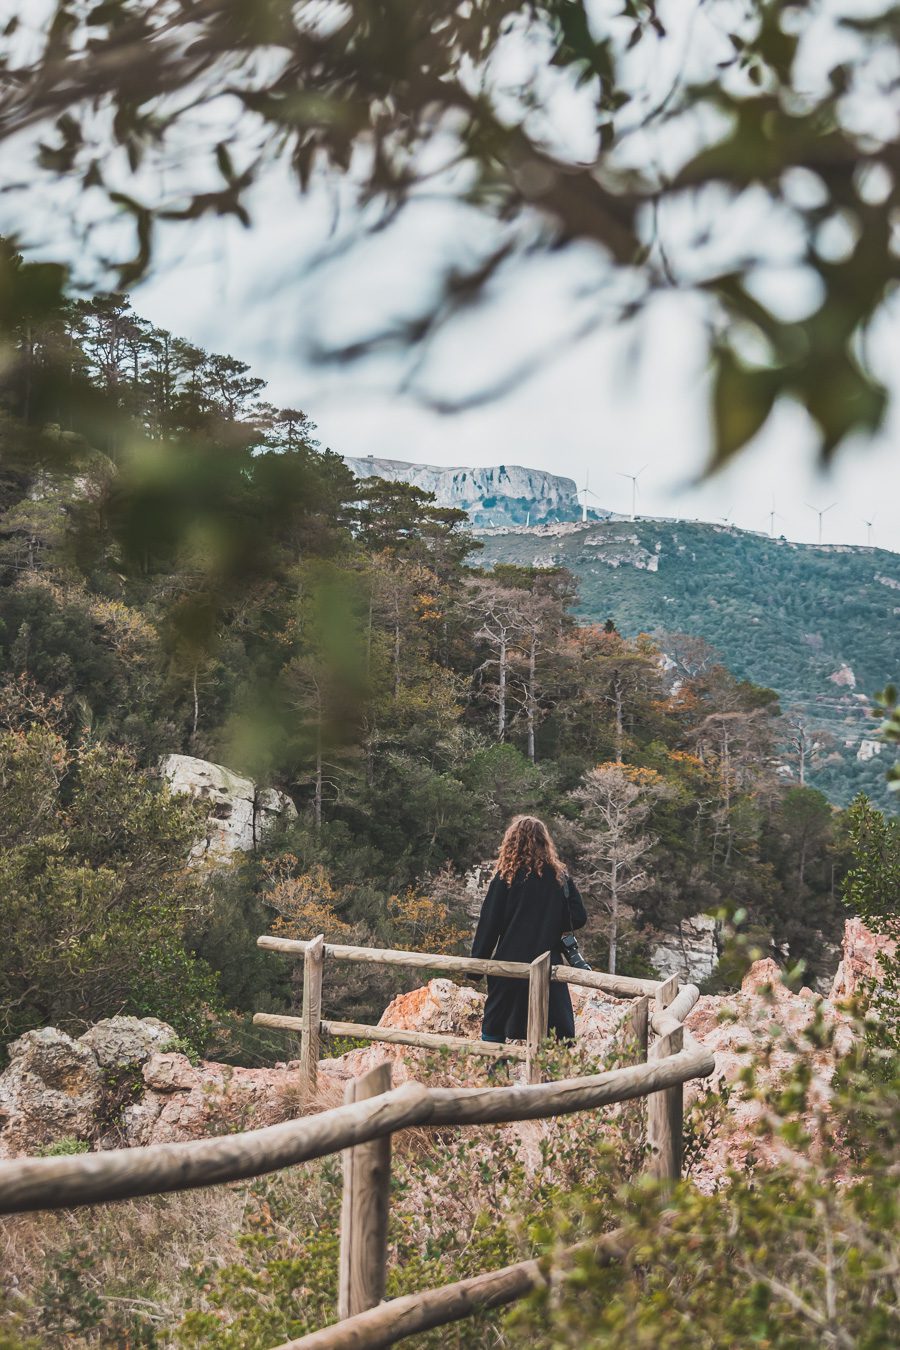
<point x="527" y="844"/>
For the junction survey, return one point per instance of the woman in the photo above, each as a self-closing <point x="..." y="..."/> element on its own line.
<point x="525" y="913"/>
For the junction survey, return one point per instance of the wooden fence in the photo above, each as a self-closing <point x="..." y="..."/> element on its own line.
<point x="539" y="974"/>
<point x="373" y="1112"/>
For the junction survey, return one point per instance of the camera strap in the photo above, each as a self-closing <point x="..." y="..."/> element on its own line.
<point x="565" y="891"/>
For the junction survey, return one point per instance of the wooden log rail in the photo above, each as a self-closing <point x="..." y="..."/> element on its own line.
<point x="621" y="986"/>
<point x="539" y="973"/>
<point x="119" y="1174"/>
<point x="412" y="1313"/>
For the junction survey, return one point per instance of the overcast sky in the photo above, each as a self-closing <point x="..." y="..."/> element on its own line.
<point x="611" y="404"/>
<point x="619" y="401"/>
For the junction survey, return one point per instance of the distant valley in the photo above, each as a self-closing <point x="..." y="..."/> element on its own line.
<point x="819" y="624"/>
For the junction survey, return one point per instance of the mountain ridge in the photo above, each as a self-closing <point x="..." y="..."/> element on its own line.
<point x="496" y="495"/>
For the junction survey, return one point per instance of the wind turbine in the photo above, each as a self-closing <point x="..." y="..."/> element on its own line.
<point x="773" y="516"/>
<point x="870" y="525"/>
<point x="726" y="519"/>
<point x="584" y="493"/>
<point x="820" y="513"/>
<point x="634" y="477"/>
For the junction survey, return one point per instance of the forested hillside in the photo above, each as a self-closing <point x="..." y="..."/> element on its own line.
<point x="816" y="624"/>
<point x="235" y="594"/>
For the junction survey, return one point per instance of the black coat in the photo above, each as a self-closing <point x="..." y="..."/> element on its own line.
<point x="518" y="923"/>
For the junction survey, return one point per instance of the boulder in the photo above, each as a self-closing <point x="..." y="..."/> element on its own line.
<point x="170" y="1073"/>
<point x="763" y="1025"/>
<point x="127" y="1042"/>
<point x="52" y="1089"/>
<point x="439" y="1006"/>
<point x="220" y="1099"/>
<point x="690" y="952"/>
<point x="239" y="811"/>
<point x="862" y="952"/>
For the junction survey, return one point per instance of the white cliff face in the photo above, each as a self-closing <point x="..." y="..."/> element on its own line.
<point x="505" y="494"/>
<point x="692" y="952"/>
<point x="239" y="811"/>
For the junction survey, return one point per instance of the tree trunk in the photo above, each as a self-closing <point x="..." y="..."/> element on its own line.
<point x="501" y="690"/>
<point x="396" y="660"/>
<point x="614" y="917"/>
<point x="530" y="698"/>
<point x="370" y="757"/>
<point x="620" y="729"/>
<point x="317" y="799"/>
<point x="29" y="364"/>
<point x="196" y="693"/>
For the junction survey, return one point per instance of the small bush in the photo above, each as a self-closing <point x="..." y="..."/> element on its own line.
<point x="64" y="1148"/>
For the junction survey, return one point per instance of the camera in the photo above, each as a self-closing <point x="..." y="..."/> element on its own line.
<point x="572" y="952"/>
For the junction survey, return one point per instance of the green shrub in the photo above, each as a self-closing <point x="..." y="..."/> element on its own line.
<point x="99" y="902"/>
<point x="64" y="1148"/>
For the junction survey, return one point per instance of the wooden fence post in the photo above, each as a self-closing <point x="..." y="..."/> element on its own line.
<point x="364" y="1207"/>
<point x="311" y="1018"/>
<point x="665" y="1109"/>
<point x="668" y="992"/>
<point x="538" y="1014"/>
<point x="636" y="1027"/>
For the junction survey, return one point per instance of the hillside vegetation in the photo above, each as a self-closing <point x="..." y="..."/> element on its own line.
<point x="185" y="570"/>
<point x="785" y="615"/>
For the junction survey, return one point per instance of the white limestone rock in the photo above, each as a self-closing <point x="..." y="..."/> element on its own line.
<point x="127" y="1042"/>
<point x="51" y="1090"/>
<point x="503" y="494"/>
<point x="240" y="813"/>
<point x="691" y="952"/>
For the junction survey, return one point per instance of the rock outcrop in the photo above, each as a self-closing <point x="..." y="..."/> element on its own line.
<point x="184" y="1101"/>
<point x="763" y="1025"/>
<point x="120" y="1084"/>
<point x="504" y="494"/>
<point x="51" y="1090"/>
<point x="844" y="677"/>
<point x="56" y="1087"/>
<point x="862" y="952"/>
<point x="691" y="952"/>
<point x="239" y="812"/>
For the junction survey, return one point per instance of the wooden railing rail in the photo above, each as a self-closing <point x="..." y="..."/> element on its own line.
<point x="412" y="1313"/>
<point x="373" y="1112"/>
<point x="621" y="986"/>
<point x="118" y="1174"/>
<point x="539" y="973"/>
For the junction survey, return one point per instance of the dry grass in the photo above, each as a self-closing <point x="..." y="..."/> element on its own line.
<point x="79" y="1278"/>
<point x="137" y="1254"/>
<point x="126" y="1274"/>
